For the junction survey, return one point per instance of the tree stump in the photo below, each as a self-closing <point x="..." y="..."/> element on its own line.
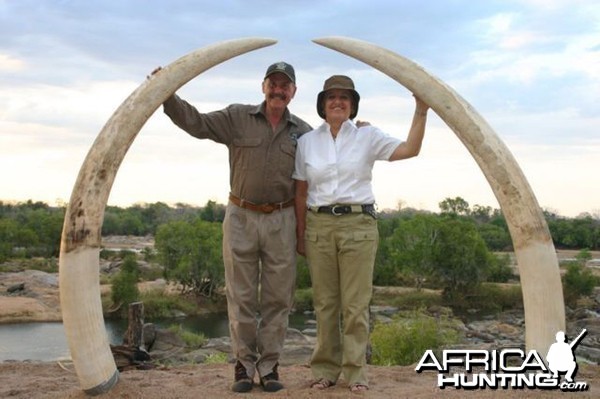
<point x="135" y="329"/>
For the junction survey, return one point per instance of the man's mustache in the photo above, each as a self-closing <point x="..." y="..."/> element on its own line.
<point x="282" y="97"/>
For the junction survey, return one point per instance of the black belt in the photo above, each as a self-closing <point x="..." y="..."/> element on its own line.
<point x="339" y="210"/>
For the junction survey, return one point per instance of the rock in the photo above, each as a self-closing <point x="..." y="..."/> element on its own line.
<point x="294" y="335"/>
<point x="129" y="358"/>
<point x="384" y="310"/>
<point x="149" y="334"/>
<point x="222" y="344"/>
<point x="16" y="288"/>
<point x="167" y="341"/>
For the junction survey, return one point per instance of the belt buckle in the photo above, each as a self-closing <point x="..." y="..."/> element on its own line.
<point x="333" y="210"/>
<point x="267" y="208"/>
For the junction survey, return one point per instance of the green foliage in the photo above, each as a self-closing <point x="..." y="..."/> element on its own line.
<point x="33" y="229"/>
<point x="302" y="273"/>
<point x="455" y="207"/>
<point x="404" y="341"/>
<point x="489" y="298"/>
<point x="578" y="281"/>
<point x="496" y="237"/>
<point x="191" y="255"/>
<point x="462" y="259"/>
<point x="124" y="288"/>
<point x="213" y="212"/>
<point x="583" y="256"/>
<point x="191" y="339"/>
<point x="217" y="358"/>
<point x="412" y="247"/>
<point x="47" y="265"/>
<point x="30" y="230"/>
<point x="581" y="232"/>
<point x="410" y="299"/>
<point x="158" y="305"/>
<point x="500" y="270"/>
<point x="303" y="299"/>
<point x="446" y="250"/>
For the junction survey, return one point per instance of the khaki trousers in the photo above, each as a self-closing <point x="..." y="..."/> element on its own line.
<point x="259" y="254"/>
<point x="341" y="254"/>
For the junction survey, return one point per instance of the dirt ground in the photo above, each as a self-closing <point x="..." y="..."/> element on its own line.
<point x="23" y="380"/>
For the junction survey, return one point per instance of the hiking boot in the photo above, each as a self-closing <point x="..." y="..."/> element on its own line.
<point x="241" y="381"/>
<point x="270" y="382"/>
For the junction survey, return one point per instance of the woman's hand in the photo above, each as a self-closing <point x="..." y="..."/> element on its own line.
<point x="301" y="246"/>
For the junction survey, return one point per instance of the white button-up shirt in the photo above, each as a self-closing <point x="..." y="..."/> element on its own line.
<point x="340" y="171"/>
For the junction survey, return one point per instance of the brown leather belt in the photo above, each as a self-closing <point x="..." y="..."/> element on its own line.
<point x="264" y="208"/>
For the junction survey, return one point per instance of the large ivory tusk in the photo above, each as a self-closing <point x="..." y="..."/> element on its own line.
<point x="81" y="236"/>
<point x="536" y="256"/>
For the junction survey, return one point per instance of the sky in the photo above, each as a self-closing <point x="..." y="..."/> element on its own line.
<point x="531" y="68"/>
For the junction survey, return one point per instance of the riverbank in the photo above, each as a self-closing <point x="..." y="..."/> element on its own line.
<point x="58" y="379"/>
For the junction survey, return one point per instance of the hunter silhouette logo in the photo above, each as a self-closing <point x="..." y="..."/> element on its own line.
<point x="560" y="356"/>
<point x="507" y="368"/>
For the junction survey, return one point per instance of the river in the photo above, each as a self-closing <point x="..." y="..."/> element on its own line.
<point x="47" y="341"/>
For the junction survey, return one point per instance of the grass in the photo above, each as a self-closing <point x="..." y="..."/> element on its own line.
<point x="217" y="358"/>
<point x="192" y="340"/>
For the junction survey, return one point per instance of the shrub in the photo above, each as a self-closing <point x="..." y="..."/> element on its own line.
<point x="488" y="298"/>
<point x="578" y="281"/>
<point x="492" y="298"/>
<point x="500" y="270"/>
<point x="303" y="299"/>
<point x="124" y="288"/>
<point x="403" y="341"/>
<point x="302" y="273"/>
<point x="158" y="305"/>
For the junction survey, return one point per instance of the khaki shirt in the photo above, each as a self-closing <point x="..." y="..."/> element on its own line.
<point x="261" y="160"/>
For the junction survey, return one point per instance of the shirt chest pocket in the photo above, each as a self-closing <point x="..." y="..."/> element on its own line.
<point x="247" y="153"/>
<point x="287" y="154"/>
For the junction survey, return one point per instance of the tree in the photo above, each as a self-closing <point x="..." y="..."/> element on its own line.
<point x="482" y="214"/>
<point x="495" y="237"/>
<point x="213" y="212"/>
<point x="191" y="255"/>
<point x="454" y="206"/>
<point x="412" y="246"/>
<point x="461" y="258"/>
<point x="124" y="289"/>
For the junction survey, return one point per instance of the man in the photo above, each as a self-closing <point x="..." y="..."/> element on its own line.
<point x="259" y="242"/>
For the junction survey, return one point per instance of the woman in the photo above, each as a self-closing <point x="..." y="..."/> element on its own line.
<point x="336" y="225"/>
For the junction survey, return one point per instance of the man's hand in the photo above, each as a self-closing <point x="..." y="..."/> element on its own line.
<point x="154" y="72"/>
<point x="362" y="123"/>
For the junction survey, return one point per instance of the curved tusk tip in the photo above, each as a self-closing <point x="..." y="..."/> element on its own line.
<point x="264" y="41"/>
<point x="332" y="40"/>
<point x="322" y="40"/>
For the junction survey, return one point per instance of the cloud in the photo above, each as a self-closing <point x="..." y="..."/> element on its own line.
<point x="530" y="67"/>
<point x="9" y="63"/>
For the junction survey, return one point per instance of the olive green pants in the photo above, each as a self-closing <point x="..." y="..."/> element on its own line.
<point x="341" y="254"/>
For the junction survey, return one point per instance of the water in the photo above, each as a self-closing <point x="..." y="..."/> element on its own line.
<point x="47" y="341"/>
<point x="43" y="341"/>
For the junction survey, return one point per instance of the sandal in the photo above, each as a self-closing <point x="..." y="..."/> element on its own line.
<point x="358" y="387"/>
<point x="322" y="383"/>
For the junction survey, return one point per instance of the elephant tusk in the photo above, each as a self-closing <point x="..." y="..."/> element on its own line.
<point x="534" y="249"/>
<point x="81" y="236"/>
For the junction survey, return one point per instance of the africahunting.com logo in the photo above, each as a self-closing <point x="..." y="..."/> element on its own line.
<point x="508" y="368"/>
